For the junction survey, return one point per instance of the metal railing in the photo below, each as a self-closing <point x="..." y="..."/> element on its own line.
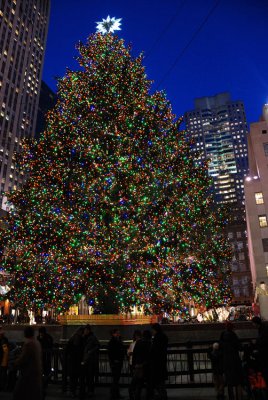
<point x="188" y="366"/>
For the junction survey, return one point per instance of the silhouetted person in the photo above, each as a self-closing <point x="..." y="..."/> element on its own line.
<point x="14" y="352"/>
<point x="46" y="342"/>
<point x="29" y="384"/>
<point x="3" y="359"/>
<point x="141" y="366"/>
<point x="89" y="363"/>
<point x="74" y="349"/>
<point x="116" y="353"/>
<point x="158" y="362"/>
<point x="216" y="358"/>
<point x="136" y="336"/>
<point x="262" y="347"/>
<point x="232" y="365"/>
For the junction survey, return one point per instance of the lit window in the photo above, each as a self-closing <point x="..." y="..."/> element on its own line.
<point x="240" y="246"/>
<point x="259" y="198"/>
<point x="263" y="221"/>
<point x="266" y="269"/>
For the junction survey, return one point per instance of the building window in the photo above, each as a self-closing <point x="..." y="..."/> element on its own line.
<point x="234" y="266"/>
<point x="265" y="146"/>
<point x="259" y="198"/>
<point x="238" y="234"/>
<point x="265" y="244"/>
<point x="235" y="281"/>
<point x="264" y="131"/>
<point x="263" y="221"/>
<point x="241" y="256"/>
<point x="239" y="245"/>
<point x="236" y="292"/>
<point x="242" y="266"/>
<point x="266" y="269"/>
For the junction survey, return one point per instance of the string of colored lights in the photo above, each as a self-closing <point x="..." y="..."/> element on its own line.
<point x="115" y="205"/>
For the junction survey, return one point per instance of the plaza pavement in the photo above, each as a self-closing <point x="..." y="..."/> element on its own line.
<point x="55" y="393"/>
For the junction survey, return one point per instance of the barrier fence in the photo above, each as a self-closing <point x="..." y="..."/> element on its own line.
<point x="188" y="366"/>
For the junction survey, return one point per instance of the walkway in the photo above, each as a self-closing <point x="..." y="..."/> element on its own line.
<point x="54" y="393"/>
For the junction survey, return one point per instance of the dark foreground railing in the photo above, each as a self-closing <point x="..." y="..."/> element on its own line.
<point x="188" y="366"/>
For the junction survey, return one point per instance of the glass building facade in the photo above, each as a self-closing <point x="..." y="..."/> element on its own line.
<point x="23" y="33"/>
<point x="219" y="128"/>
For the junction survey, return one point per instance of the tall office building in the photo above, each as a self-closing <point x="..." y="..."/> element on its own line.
<point x="256" y="201"/>
<point x="23" y="33"/>
<point x="219" y="128"/>
<point x="47" y="101"/>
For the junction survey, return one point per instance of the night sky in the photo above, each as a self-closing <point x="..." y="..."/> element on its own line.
<point x="192" y="48"/>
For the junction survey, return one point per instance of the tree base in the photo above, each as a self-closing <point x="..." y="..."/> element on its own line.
<point x="107" y="319"/>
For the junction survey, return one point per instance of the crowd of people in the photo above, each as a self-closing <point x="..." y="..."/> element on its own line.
<point x="148" y="363"/>
<point x="249" y="373"/>
<point x="147" y="357"/>
<point x="26" y="371"/>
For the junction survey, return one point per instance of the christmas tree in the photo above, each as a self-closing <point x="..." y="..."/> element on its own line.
<point x="115" y="206"/>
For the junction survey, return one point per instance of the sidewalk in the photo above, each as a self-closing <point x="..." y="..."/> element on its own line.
<point x="55" y="393"/>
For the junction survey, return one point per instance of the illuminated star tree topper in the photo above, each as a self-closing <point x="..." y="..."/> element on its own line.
<point x="109" y="25"/>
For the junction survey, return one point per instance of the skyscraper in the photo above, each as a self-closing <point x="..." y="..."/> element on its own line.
<point x="219" y="128"/>
<point x="23" y="33"/>
<point x="47" y="101"/>
<point x="256" y="200"/>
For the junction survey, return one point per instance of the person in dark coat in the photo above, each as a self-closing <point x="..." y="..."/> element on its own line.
<point x="216" y="358"/>
<point x="74" y="352"/>
<point x="158" y="362"/>
<point x="14" y="352"/>
<point x="46" y="342"/>
<point x="29" y="384"/>
<point x="262" y="347"/>
<point x="116" y="354"/>
<point x="4" y="350"/>
<point x="141" y="366"/>
<point x="232" y="365"/>
<point x="89" y="363"/>
<point x="136" y="336"/>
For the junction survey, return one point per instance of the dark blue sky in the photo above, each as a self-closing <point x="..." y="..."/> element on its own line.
<point x="211" y="52"/>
